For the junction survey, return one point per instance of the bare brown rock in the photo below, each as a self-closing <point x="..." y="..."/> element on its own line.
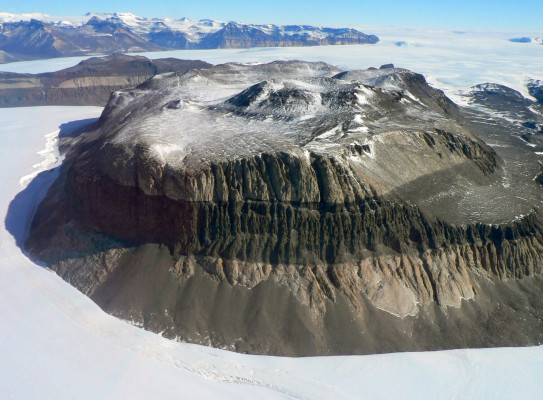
<point x="309" y="240"/>
<point x="91" y="82"/>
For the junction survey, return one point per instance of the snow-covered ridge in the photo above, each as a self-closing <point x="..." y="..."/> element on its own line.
<point x="8" y="17"/>
<point x="35" y="36"/>
<point x="193" y="28"/>
<point x="138" y="25"/>
<point x="496" y="88"/>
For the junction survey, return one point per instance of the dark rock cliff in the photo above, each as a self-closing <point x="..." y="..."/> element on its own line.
<point x="308" y="247"/>
<point x="535" y="88"/>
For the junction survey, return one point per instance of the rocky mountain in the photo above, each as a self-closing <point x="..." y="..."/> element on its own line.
<point x="293" y="208"/>
<point x="44" y="36"/>
<point x="37" y="39"/>
<point x="508" y="104"/>
<point x="233" y="35"/>
<point x="6" y="58"/>
<point x="535" y="87"/>
<point x="90" y="82"/>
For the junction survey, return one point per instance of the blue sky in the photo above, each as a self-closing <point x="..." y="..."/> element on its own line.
<point x="484" y="14"/>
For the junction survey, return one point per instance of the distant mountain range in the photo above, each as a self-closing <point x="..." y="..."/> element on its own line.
<point x="35" y="36"/>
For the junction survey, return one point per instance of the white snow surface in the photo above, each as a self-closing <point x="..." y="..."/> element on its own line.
<point x="55" y="343"/>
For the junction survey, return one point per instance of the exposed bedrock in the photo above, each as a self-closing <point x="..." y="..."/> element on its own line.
<point x="234" y="224"/>
<point x="90" y="82"/>
<point x="303" y="225"/>
<point x="244" y="274"/>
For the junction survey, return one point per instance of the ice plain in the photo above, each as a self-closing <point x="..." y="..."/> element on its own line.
<point x="55" y="343"/>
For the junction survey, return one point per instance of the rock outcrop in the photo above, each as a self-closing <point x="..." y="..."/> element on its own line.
<point x="535" y="88"/>
<point x="235" y="36"/>
<point x="509" y="104"/>
<point x="90" y="82"/>
<point x="284" y="208"/>
<point x="31" y="40"/>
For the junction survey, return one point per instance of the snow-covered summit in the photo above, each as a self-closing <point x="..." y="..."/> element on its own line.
<point x="236" y="110"/>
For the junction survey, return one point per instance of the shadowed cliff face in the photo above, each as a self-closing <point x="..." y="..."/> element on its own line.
<point x="286" y="215"/>
<point x="535" y="88"/>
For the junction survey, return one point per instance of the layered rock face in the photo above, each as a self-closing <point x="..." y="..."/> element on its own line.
<point x="234" y="36"/>
<point x="293" y="208"/>
<point x="90" y="82"/>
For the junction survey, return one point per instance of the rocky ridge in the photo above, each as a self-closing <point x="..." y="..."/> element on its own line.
<point x="31" y="40"/>
<point x="44" y="36"/>
<point x="90" y="82"/>
<point x="275" y="208"/>
<point x="511" y="105"/>
<point x="535" y="87"/>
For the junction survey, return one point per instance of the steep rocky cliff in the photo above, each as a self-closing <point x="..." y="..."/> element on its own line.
<point x="293" y="208"/>
<point x="234" y="36"/>
<point x="90" y="82"/>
